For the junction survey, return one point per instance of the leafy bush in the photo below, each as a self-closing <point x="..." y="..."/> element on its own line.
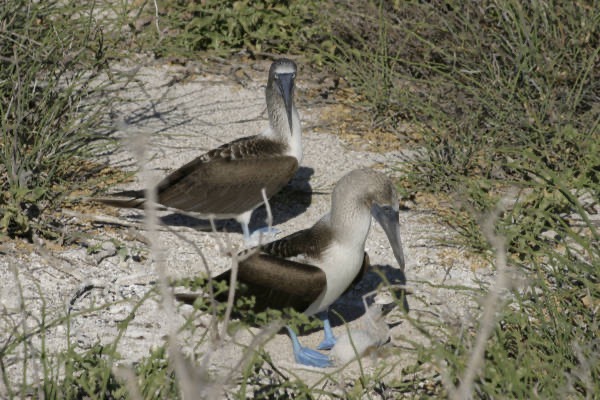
<point x="51" y="108"/>
<point x="224" y="27"/>
<point x="503" y="98"/>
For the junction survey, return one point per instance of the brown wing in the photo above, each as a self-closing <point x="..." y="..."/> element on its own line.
<point x="278" y="283"/>
<point x="229" y="179"/>
<point x="310" y="242"/>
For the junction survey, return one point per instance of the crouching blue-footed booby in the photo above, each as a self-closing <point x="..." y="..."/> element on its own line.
<point x="310" y="269"/>
<point x="227" y="182"/>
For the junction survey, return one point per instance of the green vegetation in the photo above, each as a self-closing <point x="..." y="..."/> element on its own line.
<point x="226" y="27"/>
<point x="503" y="98"/>
<point x="52" y="109"/>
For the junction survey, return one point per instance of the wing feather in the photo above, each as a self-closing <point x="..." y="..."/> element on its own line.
<point x="277" y="283"/>
<point x="310" y="243"/>
<point x="229" y="179"/>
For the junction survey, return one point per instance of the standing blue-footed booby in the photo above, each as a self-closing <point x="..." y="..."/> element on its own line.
<point x="310" y="269"/>
<point x="227" y="181"/>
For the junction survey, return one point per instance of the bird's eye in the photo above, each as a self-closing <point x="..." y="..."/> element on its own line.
<point x="294" y="75"/>
<point x="276" y="76"/>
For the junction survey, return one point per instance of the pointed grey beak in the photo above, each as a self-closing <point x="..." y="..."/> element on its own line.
<point x="389" y="221"/>
<point x="286" y="87"/>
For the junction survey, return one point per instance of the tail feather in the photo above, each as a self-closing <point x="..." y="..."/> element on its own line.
<point x="125" y="199"/>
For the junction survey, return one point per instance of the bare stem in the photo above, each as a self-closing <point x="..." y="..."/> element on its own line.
<point x="491" y="305"/>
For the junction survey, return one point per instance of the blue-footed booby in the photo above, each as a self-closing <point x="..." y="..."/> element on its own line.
<point x="310" y="269"/>
<point x="227" y="182"/>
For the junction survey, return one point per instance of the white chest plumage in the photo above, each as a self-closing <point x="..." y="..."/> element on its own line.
<point x="295" y="144"/>
<point x="341" y="264"/>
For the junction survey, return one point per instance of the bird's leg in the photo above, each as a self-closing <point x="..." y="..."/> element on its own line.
<point x="244" y="220"/>
<point x="247" y="239"/>
<point x="268" y="232"/>
<point x="329" y="340"/>
<point x="252" y="239"/>
<point x="306" y="356"/>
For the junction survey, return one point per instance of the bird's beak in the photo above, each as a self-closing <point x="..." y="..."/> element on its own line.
<point x="286" y="87"/>
<point x="389" y="221"/>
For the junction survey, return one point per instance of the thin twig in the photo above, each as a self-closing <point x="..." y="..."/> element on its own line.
<point x="269" y="215"/>
<point x="268" y="207"/>
<point x="156" y="20"/>
<point x="486" y="326"/>
<point x="167" y="300"/>
<point x="104" y="219"/>
<point x="127" y="374"/>
<point x="257" y="342"/>
<point x="232" y="284"/>
<point x="214" y="321"/>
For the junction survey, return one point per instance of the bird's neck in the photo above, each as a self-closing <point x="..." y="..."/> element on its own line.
<point x="280" y="128"/>
<point x="351" y="220"/>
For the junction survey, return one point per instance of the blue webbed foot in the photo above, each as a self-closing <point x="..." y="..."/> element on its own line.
<point x="327" y="344"/>
<point x="329" y="340"/>
<point x="312" y="358"/>
<point x="268" y="234"/>
<point x="306" y="356"/>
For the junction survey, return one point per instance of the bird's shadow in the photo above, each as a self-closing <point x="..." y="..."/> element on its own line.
<point x="291" y="201"/>
<point x="350" y="306"/>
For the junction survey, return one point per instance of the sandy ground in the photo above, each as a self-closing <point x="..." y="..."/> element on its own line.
<point x="174" y="122"/>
